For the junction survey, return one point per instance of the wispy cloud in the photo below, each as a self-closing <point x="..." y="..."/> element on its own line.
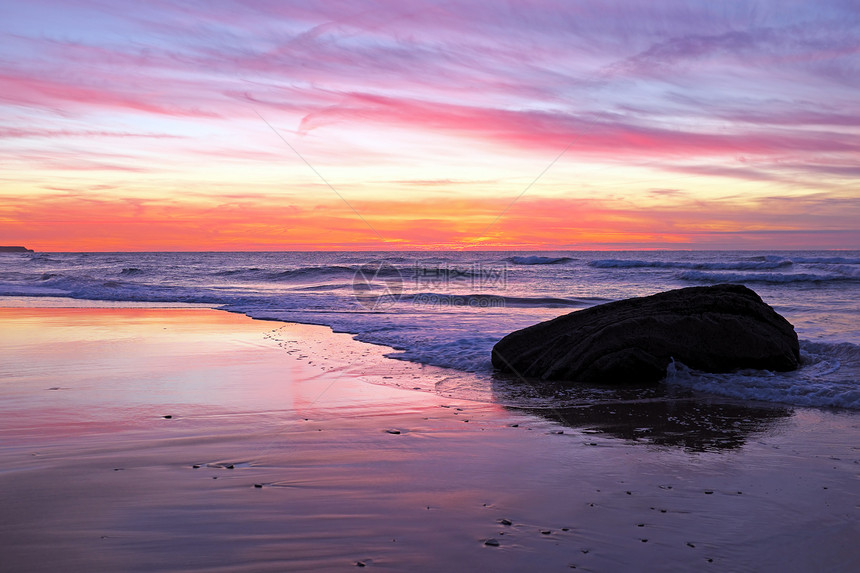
<point x="757" y="97"/>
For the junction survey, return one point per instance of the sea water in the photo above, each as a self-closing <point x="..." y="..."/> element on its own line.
<point x="449" y="308"/>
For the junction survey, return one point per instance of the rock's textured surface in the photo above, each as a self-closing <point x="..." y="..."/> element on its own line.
<point x="716" y="329"/>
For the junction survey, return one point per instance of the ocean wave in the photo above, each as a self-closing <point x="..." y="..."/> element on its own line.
<point x="40" y="258"/>
<point x="234" y="272"/>
<point x="772" y="278"/>
<point x="490" y="300"/>
<point x="92" y="288"/>
<point x="256" y="274"/>
<point x="131" y="272"/>
<point x="356" y="286"/>
<point x="731" y="266"/>
<point x="382" y="271"/>
<point x="538" y="260"/>
<point x="311" y="272"/>
<point x="827" y="260"/>
<point x="828" y="377"/>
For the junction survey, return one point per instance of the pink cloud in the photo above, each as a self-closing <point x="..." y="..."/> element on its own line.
<point x="585" y="134"/>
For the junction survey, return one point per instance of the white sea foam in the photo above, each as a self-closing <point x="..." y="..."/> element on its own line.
<point x="828" y="377"/>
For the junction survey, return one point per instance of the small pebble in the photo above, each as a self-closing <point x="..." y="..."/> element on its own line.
<point x="360" y="564"/>
<point x="258" y="485"/>
<point x="565" y="529"/>
<point x="708" y="492"/>
<point x="506" y="522"/>
<point x="395" y="432"/>
<point x="691" y="545"/>
<point x="545" y="531"/>
<point x="492" y="542"/>
<point x="644" y="540"/>
<point x="515" y="425"/>
<point x="167" y="417"/>
<point x="196" y="466"/>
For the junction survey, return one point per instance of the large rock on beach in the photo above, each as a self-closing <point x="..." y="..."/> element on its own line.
<point x="720" y="328"/>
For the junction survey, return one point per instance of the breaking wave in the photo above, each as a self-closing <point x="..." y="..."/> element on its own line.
<point x="733" y="266"/>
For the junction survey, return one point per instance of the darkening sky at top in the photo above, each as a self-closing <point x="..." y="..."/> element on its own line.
<point x="143" y="126"/>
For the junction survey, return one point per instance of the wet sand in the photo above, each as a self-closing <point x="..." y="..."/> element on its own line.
<point x="197" y="440"/>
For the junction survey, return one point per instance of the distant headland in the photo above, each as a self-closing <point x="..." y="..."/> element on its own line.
<point x="15" y="249"/>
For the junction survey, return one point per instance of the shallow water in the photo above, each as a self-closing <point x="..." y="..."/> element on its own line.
<point x="449" y="308"/>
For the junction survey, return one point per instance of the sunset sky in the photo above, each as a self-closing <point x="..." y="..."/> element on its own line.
<point x="288" y="125"/>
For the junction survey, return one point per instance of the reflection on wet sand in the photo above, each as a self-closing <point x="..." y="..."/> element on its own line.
<point x="661" y="415"/>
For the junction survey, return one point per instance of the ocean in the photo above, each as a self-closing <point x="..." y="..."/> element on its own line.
<point x="448" y="308"/>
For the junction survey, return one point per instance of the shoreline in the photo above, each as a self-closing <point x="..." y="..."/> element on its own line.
<point x="96" y="477"/>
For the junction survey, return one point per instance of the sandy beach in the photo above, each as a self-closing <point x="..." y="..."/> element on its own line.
<point x="199" y="440"/>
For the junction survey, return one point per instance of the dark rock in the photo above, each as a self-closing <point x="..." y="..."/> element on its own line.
<point x="492" y="542"/>
<point x="5" y="249"/>
<point x="720" y="328"/>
